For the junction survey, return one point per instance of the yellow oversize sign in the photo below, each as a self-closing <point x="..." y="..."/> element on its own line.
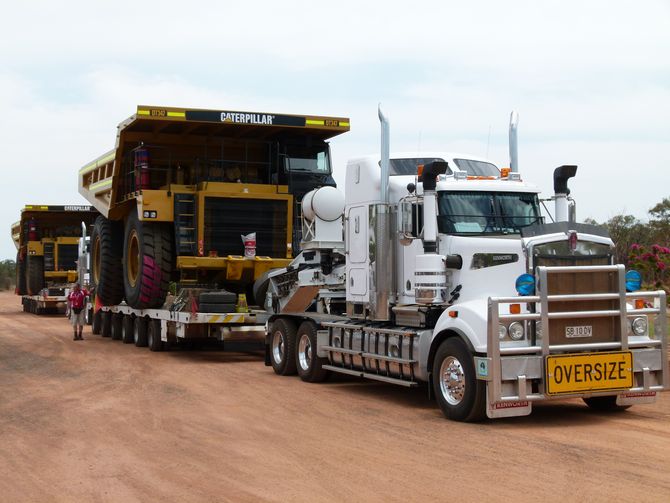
<point x="589" y="372"/>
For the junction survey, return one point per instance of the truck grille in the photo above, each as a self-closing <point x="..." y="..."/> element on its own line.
<point x="227" y="219"/>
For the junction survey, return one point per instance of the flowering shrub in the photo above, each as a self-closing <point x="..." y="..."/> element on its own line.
<point x="652" y="263"/>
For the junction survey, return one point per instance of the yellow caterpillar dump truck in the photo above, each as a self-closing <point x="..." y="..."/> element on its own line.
<point x="181" y="188"/>
<point x="47" y="240"/>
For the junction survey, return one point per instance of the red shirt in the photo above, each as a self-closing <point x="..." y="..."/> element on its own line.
<point x="77" y="299"/>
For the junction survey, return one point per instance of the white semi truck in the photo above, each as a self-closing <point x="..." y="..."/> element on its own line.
<point x="451" y="277"/>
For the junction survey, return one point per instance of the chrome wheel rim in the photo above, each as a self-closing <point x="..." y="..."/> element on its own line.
<point x="278" y="347"/>
<point x="305" y="352"/>
<point x="452" y="380"/>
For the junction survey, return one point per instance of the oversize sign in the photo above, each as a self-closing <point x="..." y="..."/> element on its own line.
<point x="589" y="372"/>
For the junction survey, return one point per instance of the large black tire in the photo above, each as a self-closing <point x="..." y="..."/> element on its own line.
<point x="282" y="346"/>
<point x="460" y="395"/>
<point x="106" y="265"/>
<point x="216" y="308"/>
<point x="128" y="329"/>
<point x="148" y="258"/>
<point x="96" y="327"/>
<point x="21" y="288"/>
<point x="34" y="274"/>
<point x="140" y="332"/>
<point x="605" y="404"/>
<point x="154" y="336"/>
<point x="117" y="326"/>
<point x="309" y="365"/>
<point x="106" y="324"/>
<point x="217" y="297"/>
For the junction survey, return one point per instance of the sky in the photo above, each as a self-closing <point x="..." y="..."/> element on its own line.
<point x="589" y="79"/>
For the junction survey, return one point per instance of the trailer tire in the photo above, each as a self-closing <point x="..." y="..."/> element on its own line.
<point x="117" y="326"/>
<point x="147" y="262"/>
<point x="605" y="404"/>
<point x="106" y="266"/>
<point x="106" y="324"/>
<point x="34" y="274"/>
<point x="140" y="332"/>
<point x="128" y="329"/>
<point x="460" y="395"/>
<point x="96" y="326"/>
<point x="282" y="346"/>
<point x="309" y="365"/>
<point x="21" y="288"/>
<point x="154" y="336"/>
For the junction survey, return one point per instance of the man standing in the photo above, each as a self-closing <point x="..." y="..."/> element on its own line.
<point x="76" y="301"/>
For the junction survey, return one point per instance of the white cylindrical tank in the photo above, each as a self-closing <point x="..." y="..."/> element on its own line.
<point x="326" y="203"/>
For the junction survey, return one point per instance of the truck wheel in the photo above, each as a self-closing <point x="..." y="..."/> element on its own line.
<point x="309" y="365"/>
<point x="96" y="326"/>
<point x="605" y="404"/>
<point x="21" y="288"/>
<point x="282" y="347"/>
<point x="128" y="329"/>
<point x="34" y="274"/>
<point x="154" y="336"/>
<point x="459" y="394"/>
<point x="147" y="262"/>
<point x="140" y="332"/>
<point x="106" y="268"/>
<point x="117" y="326"/>
<point x="106" y="325"/>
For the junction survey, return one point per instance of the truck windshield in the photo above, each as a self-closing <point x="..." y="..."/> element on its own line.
<point x="315" y="159"/>
<point x="480" y="213"/>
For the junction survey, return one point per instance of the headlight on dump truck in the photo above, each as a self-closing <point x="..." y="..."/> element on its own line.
<point x="639" y="325"/>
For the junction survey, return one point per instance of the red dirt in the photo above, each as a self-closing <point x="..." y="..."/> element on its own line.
<point x="102" y="421"/>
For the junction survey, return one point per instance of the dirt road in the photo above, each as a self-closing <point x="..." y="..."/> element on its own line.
<point x="102" y="421"/>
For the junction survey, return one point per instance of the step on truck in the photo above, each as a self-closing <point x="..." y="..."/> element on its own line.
<point x="182" y="186"/>
<point x="455" y="280"/>
<point x="47" y="240"/>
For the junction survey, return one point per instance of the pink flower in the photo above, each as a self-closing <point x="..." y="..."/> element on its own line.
<point x="661" y="266"/>
<point x="647" y="256"/>
<point x="635" y="246"/>
<point x="655" y="248"/>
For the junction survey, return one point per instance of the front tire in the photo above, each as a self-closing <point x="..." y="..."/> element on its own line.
<point x="106" y="266"/>
<point x="34" y="274"/>
<point x="21" y="288"/>
<point x="308" y="364"/>
<point x="282" y="347"/>
<point x="605" y="404"/>
<point x="147" y="262"/>
<point x="460" y="395"/>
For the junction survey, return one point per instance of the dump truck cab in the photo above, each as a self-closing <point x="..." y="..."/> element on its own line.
<point x="181" y="188"/>
<point x="46" y="239"/>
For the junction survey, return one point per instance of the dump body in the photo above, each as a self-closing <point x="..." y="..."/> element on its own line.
<point x="47" y="240"/>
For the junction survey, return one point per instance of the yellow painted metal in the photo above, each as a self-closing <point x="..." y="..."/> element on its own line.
<point x="589" y="372"/>
<point x="222" y="263"/>
<point x="158" y="201"/>
<point x="235" y="267"/>
<point x="35" y="248"/>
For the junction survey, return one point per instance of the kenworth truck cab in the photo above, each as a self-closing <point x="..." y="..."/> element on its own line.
<point x="455" y="280"/>
<point x="182" y="186"/>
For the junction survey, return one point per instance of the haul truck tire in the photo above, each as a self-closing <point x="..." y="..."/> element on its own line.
<point x="154" y="336"/>
<point x="20" y="275"/>
<point x="282" y="347"/>
<point x="96" y="326"/>
<point x="140" y="332"/>
<point x="34" y="274"/>
<point x="128" y="329"/>
<point x="147" y="262"/>
<point x="605" y="404"/>
<point x="460" y="395"/>
<point x="309" y="365"/>
<point x="106" y="255"/>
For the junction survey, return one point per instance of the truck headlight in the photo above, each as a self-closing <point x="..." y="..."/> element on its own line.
<point x="502" y="332"/>
<point x="516" y="331"/>
<point x="639" y="325"/>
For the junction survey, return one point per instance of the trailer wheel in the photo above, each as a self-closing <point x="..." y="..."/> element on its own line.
<point x="106" y="324"/>
<point x="154" y="336"/>
<point x="96" y="326"/>
<point x="309" y="365"/>
<point x="460" y="395"/>
<point x="106" y="254"/>
<point x="34" y="274"/>
<point x="282" y="347"/>
<point x="128" y="329"/>
<point x="21" y="288"/>
<point x="605" y="404"/>
<point x="140" y="332"/>
<point x="117" y="326"/>
<point x="147" y="262"/>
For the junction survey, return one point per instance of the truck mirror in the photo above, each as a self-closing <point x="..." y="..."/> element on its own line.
<point x="406" y="227"/>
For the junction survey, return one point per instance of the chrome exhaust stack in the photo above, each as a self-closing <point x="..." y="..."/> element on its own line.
<point x="513" y="148"/>
<point x="561" y="192"/>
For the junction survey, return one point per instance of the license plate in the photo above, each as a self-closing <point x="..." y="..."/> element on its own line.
<point x="589" y="372"/>
<point x="582" y="331"/>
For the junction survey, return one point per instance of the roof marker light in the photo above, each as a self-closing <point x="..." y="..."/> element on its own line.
<point x="525" y="284"/>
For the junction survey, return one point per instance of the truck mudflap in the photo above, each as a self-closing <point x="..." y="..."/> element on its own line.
<point x="565" y="353"/>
